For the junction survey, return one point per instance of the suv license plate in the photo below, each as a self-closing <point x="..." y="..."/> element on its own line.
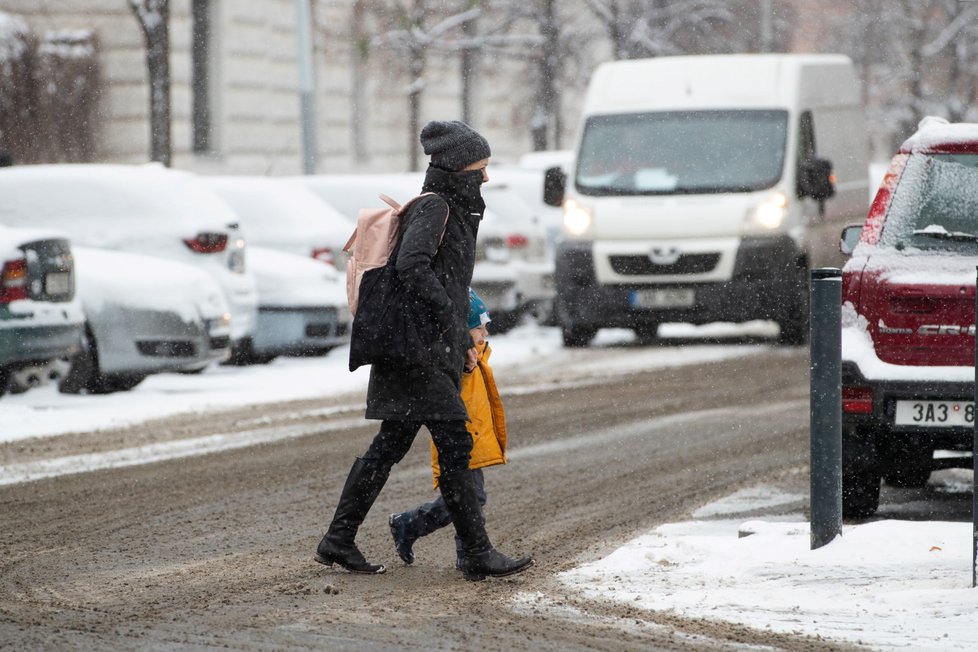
<point x="935" y="413"/>
<point x="57" y="283"/>
<point x="666" y="298"/>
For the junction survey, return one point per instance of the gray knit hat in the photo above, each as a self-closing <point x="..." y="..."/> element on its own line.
<point x="453" y="145"/>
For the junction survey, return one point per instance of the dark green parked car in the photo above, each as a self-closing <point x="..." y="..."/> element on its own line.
<point x="40" y="318"/>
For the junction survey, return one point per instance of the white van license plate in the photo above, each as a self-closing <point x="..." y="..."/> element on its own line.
<point x="663" y="298"/>
<point x="935" y="413"/>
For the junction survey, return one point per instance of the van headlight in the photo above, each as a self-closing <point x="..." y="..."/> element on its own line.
<point x="767" y="216"/>
<point x="577" y="218"/>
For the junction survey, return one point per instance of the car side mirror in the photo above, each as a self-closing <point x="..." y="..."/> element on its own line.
<point x="815" y="179"/>
<point x="554" y="183"/>
<point x="850" y="238"/>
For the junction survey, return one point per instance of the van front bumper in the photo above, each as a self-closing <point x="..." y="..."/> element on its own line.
<point x="765" y="285"/>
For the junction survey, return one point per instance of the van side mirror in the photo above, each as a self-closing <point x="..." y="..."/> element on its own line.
<point x="554" y="183"/>
<point x="850" y="238"/>
<point x="815" y="179"/>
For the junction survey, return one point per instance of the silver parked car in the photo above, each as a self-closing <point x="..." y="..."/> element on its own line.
<point x="302" y="307"/>
<point x="144" y="315"/>
<point x="40" y="316"/>
<point x="145" y="209"/>
<point x="512" y="237"/>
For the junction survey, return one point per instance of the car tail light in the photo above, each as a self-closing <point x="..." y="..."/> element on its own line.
<point x="857" y="400"/>
<point x="324" y="255"/>
<point x="13" y="281"/>
<point x="516" y="241"/>
<point x="208" y="243"/>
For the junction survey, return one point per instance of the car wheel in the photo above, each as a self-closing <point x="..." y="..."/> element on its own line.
<point x="242" y="353"/>
<point x="860" y="473"/>
<point x="4" y="380"/>
<point x="794" y="323"/>
<point x="647" y="332"/>
<point x="84" y="367"/>
<point x="111" y="383"/>
<point x="577" y="336"/>
<point x="907" y="463"/>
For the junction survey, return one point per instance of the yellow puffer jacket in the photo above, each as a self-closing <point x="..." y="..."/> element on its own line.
<point x="487" y="421"/>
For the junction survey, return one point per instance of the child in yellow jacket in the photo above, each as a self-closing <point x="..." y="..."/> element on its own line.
<point x="487" y="425"/>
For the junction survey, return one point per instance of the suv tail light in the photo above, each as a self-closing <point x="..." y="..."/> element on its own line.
<point x="324" y="255"/>
<point x="208" y="243"/>
<point x="13" y="281"/>
<point x="857" y="400"/>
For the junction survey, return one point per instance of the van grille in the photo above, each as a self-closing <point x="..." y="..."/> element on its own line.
<point x="637" y="265"/>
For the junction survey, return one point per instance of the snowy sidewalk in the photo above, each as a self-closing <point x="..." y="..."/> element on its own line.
<point x="888" y="585"/>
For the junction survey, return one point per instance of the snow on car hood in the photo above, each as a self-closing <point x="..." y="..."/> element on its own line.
<point x="288" y="280"/>
<point x="106" y="278"/>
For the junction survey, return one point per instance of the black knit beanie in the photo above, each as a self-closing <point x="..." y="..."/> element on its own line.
<point x="453" y="145"/>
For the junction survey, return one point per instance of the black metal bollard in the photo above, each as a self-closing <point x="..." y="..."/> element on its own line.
<point x="826" y="405"/>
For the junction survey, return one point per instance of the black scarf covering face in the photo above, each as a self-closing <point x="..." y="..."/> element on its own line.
<point x="462" y="190"/>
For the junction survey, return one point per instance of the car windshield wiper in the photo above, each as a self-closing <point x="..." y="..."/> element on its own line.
<point x="940" y="233"/>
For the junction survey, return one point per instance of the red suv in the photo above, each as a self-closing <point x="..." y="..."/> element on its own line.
<point x="908" y="318"/>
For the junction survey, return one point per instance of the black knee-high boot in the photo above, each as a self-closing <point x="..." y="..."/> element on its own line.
<point x="479" y="558"/>
<point x="366" y="479"/>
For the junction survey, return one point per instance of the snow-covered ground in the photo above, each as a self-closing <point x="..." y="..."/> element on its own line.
<point x="886" y="584"/>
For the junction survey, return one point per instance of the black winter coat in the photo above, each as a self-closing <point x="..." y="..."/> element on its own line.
<point x="436" y="281"/>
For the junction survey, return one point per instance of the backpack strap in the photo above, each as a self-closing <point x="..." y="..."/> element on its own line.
<point x="402" y="225"/>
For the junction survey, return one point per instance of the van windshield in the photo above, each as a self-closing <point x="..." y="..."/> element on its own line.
<point x="681" y="152"/>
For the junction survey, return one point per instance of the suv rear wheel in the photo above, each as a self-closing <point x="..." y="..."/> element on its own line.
<point x="860" y="473"/>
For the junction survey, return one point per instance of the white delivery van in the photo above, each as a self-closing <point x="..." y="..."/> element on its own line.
<point x="704" y="188"/>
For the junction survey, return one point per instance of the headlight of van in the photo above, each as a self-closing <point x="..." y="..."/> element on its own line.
<point x="577" y="218"/>
<point x="767" y="216"/>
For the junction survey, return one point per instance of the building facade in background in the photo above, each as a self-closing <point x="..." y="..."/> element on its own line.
<point x="516" y="71"/>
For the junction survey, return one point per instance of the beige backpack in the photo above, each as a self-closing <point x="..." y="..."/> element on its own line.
<point x="372" y="242"/>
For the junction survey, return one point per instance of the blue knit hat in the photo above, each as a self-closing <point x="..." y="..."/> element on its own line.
<point x="478" y="312"/>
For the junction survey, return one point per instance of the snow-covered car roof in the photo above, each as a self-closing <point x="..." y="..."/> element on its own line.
<point x="348" y="193"/>
<point x="936" y="134"/>
<point x="102" y="205"/>
<point x="274" y="211"/>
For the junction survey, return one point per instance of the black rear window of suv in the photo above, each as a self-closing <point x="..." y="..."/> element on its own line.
<point x="935" y="206"/>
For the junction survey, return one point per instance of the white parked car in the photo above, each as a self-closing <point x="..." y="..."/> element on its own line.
<point x="302" y="306"/>
<point x="527" y="182"/>
<point x="144" y="209"/>
<point x="284" y="214"/>
<point x="514" y="269"/>
<point x="40" y="316"/>
<point x="144" y="315"/>
<point x="513" y="237"/>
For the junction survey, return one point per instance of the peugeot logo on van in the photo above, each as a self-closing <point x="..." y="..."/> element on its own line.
<point x="664" y="255"/>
